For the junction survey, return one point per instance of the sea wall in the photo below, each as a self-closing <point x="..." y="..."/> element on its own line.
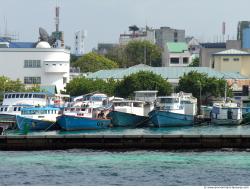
<point x="127" y="142"/>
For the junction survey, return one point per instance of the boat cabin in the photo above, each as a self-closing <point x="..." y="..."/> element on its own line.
<point x="136" y="107"/>
<point x="12" y="110"/>
<point x="46" y="113"/>
<point x="35" y="99"/>
<point x="91" y="100"/>
<point x="146" y="96"/>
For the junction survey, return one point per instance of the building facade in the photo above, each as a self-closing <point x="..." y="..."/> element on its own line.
<point x="232" y="60"/>
<point x="37" y="64"/>
<point x="143" y="34"/>
<point x="167" y="34"/>
<point x="176" y="54"/>
<point x="208" y="49"/>
<point x="243" y="33"/>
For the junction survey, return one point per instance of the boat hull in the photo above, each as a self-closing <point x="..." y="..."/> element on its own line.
<point x="73" y="123"/>
<point x="121" y="119"/>
<point x="24" y="123"/>
<point x="226" y="121"/>
<point x="170" y="119"/>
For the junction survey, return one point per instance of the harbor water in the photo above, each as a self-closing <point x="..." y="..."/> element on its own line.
<point x="85" y="167"/>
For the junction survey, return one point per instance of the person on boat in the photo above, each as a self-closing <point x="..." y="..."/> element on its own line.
<point x="101" y="115"/>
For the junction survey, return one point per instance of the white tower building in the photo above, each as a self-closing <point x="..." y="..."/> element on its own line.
<point x="79" y="42"/>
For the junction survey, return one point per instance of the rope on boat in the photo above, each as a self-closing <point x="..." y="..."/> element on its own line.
<point x="50" y="126"/>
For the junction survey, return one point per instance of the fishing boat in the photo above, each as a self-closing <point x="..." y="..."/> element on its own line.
<point x="175" y="110"/>
<point x="132" y="113"/>
<point x="37" y="118"/>
<point x="83" y="118"/>
<point x="226" y="113"/>
<point x="128" y="113"/>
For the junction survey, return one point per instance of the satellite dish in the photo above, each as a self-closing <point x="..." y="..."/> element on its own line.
<point x="52" y="40"/>
<point x="44" y="36"/>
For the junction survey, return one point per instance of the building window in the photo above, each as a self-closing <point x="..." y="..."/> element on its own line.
<point x="236" y="59"/>
<point x="64" y="80"/>
<point x="32" y="80"/>
<point x="174" y="60"/>
<point x="32" y="63"/>
<point x="225" y="59"/>
<point x="185" y="60"/>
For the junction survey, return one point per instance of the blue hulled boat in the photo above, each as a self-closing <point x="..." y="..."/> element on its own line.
<point x="71" y="123"/>
<point x="24" y="123"/>
<point x="37" y="118"/>
<point x="122" y="119"/>
<point x="130" y="113"/>
<point x="165" y="119"/>
<point x="176" y="110"/>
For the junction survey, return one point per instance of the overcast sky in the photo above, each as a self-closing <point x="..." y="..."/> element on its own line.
<point x="104" y="20"/>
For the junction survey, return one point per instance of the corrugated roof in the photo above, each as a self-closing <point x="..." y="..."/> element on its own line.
<point x="177" y="47"/>
<point x="232" y="52"/>
<point x="165" y="72"/>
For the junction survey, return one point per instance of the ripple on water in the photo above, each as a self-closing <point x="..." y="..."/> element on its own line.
<point x="88" y="167"/>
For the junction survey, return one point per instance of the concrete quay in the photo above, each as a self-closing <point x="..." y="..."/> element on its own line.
<point x="124" y="142"/>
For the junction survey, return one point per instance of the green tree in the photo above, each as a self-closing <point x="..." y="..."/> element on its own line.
<point x="195" y="62"/>
<point x="142" y="80"/>
<point x="196" y="83"/>
<point x="136" y="52"/>
<point x="81" y="85"/>
<point x="93" y="62"/>
<point x="73" y="58"/>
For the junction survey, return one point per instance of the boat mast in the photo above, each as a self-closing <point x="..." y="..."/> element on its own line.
<point x="225" y="92"/>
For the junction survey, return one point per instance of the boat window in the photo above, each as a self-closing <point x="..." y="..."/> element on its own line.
<point x="6" y="109"/>
<point x="6" y="96"/>
<point x="169" y="100"/>
<point x="97" y="98"/>
<point x="30" y="95"/>
<point x="83" y="109"/>
<point x="49" y="111"/>
<point x="26" y="95"/>
<point x="21" y="95"/>
<point x="13" y="96"/>
<point x="19" y="108"/>
<point x="1" y="109"/>
<point x="15" y="108"/>
<point x="9" y="96"/>
<point x="17" y="95"/>
<point x="137" y="104"/>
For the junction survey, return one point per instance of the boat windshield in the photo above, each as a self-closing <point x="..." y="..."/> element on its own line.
<point x="97" y="98"/>
<point x="169" y="100"/>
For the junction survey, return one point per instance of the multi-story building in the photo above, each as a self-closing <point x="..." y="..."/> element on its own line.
<point x="243" y="34"/>
<point x="232" y="60"/>
<point x="80" y="36"/>
<point x="167" y="34"/>
<point x="141" y="34"/>
<point x="208" y="49"/>
<point x="176" y="54"/>
<point x="35" y="63"/>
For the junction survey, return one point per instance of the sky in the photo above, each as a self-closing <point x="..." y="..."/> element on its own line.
<point x="104" y="20"/>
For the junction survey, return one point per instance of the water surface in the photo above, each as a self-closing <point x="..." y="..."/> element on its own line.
<point x="87" y="167"/>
